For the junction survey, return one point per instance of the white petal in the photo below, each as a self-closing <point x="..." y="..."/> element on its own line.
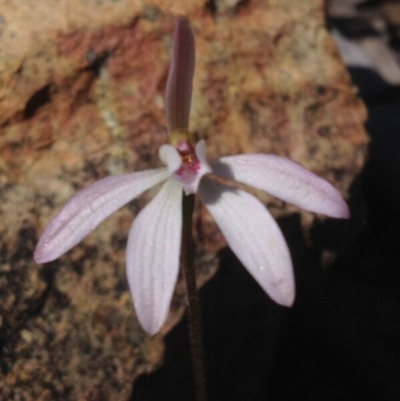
<point x="153" y="256"/>
<point x="286" y="180"/>
<point x="89" y="207"/>
<point x="170" y="157"/>
<point x="201" y="153"/>
<point x="253" y="236"/>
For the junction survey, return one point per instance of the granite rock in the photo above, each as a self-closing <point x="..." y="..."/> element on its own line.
<point x="81" y="97"/>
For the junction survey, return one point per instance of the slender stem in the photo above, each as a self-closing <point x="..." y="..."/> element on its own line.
<point x="194" y="312"/>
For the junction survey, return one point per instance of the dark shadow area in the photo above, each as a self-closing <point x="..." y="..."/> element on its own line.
<point x="36" y="101"/>
<point x="341" y="340"/>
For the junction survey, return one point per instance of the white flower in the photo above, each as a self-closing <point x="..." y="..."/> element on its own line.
<point x="154" y="239"/>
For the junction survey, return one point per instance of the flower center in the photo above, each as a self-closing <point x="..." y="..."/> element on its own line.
<point x="187" y="163"/>
<point x="190" y="163"/>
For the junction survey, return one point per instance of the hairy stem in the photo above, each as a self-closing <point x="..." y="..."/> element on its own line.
<point x="193" y="312"/>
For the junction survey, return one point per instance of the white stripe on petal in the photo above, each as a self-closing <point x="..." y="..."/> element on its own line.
<point x="152" y="258"/>
<point x="253" y="236"/>
<point x="286" y="180"/>
<point x="89" y="207"/>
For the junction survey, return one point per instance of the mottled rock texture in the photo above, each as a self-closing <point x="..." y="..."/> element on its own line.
<point x="81" y="97"/>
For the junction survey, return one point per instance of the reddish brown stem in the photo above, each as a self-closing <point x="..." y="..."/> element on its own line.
<point x="193" y="311"/>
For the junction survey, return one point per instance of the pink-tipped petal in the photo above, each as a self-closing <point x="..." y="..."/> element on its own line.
<point x="89" y="207"/>
<point x="253" y="236"/>
<point x="152" y="259"/>
<point x="286" y="180"/>
<point x="178" y="94"/>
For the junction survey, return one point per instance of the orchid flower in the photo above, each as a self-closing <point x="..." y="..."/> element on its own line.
<point x="154" y="241"/>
